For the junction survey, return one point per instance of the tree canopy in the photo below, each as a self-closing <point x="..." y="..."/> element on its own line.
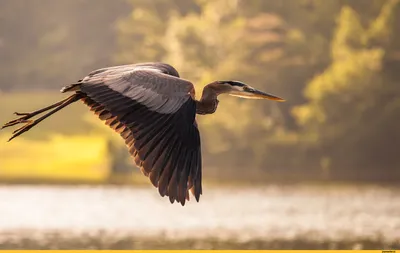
<point x="335" y="62"/>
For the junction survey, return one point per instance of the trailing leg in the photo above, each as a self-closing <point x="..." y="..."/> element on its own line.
<point x="31" y="123"/>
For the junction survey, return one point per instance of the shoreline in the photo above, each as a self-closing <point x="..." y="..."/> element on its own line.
<point x="32" y="239"/>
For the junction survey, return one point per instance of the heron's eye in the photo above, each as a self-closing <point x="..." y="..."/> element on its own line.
<point x="235" y="83"/>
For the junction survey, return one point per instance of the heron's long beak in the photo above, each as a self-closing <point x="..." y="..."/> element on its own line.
<point x="252" y="93"/>
<point x="262" y="95"/>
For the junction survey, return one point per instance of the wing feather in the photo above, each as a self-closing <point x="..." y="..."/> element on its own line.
<point x="150" y="85"/>
<point x="153" y="110"/>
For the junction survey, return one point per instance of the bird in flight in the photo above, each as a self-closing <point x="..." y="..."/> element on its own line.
<point x="154" y="111"/>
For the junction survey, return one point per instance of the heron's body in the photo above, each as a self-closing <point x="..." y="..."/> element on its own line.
<point x="154" y="111"/>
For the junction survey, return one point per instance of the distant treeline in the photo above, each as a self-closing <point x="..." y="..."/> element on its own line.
<point x="335" y="62"/>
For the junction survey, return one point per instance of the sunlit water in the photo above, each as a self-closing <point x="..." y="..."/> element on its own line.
<point x="317" y="213"/>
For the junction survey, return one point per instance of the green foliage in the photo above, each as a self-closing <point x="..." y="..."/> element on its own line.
<point x="335" y="62"/>
<point x="348" y="103"/>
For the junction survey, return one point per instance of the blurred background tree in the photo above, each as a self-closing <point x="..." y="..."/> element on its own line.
<point x="335" y="61"/>
<point x="353" y="106"/>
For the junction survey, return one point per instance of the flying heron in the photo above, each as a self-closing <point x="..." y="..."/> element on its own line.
<point x="154" y="111"/>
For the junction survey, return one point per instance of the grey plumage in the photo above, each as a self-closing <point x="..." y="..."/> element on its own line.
<point x="154" y="111"/>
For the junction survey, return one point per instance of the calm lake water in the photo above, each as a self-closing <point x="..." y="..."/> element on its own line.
<point x="284" y="212"/>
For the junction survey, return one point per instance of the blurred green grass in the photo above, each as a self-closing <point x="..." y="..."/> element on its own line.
<point x="62" y="148"/>
<point x="73" y="158"/>
<point x="66" y="148"/>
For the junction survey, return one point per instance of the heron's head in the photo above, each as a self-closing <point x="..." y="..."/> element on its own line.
<point x="239" y="89"/>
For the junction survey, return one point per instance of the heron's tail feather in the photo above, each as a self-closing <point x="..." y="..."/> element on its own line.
<point x="25" y="117"/>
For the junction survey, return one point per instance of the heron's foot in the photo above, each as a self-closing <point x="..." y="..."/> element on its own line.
<point x="22" y="113"/>
<point x="23" y="119"/>
<point x="29" y="124"/>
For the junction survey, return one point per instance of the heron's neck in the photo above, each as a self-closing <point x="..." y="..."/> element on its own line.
<point x="208" y="103"/>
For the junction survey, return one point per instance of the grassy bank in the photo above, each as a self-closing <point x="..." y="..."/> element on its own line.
<point x="76" y="158"/>
<point x="102" y="240"/>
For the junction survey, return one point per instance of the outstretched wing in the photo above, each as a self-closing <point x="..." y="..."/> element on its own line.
<point x="153" y="110"/>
